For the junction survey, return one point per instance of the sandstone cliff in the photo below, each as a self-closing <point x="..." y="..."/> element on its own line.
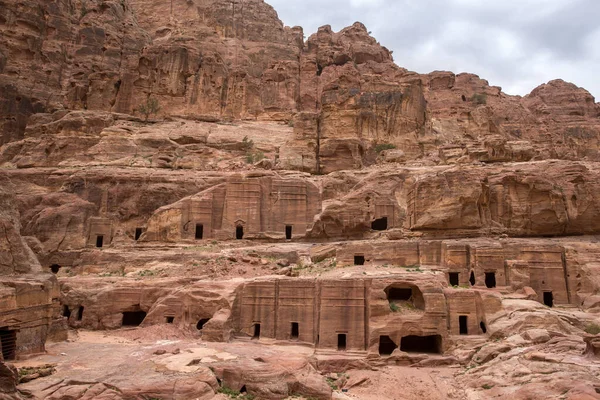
<point x="288" y="210"/>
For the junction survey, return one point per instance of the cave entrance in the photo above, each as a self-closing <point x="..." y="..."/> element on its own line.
<point x="549" y="299"/>
<point x="65" y="311"/>
<point x="386" y="346"/>
<point x="239" y="232"/>
<point x="490" y="280"/>
<point x="201" y="323"/>
<point x="399" y="294"/>
<point x="380" y="224"/>
<point x="463" y="326"/>
<point x="55" y="268"/>
<point x="288" y="232"/>
<point x="80" y="313"/>
<point x="359" y="260"/>
<point x="133" y="318"/>
<point x="295" y="331"/>
<point x="482" y="326"/>
<point x="99" y="240"/>
<point x="8" y="342"/>
<point x="170" y="319"/>
<point x="256" y="334"/>
<point x="472" y="278"/>
<point x="199" y="231"/>
<point x="138" y="233"/>
<point x="421" y="344"/>
<point x="341" y="342"/>
<point x="453" y="277"/>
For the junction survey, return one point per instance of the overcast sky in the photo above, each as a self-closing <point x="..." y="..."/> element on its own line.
<point x="515" y="44"/>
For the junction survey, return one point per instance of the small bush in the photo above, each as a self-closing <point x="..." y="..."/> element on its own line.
<point x="247" y="144"/>
<point x="151" y="107"/>
<point x="254" y="156"/>
<point x="592" y="329"/>
<point x="384" y="146"/>
<point x="394" y="307"/>
<point x="332" y="384"/>
<point x="487" y="387"/>
<point x="479" y="98"/>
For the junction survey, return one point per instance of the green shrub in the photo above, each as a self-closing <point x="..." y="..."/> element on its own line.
<point x="151" y="107"/>
<point x="247" y="144"/>
<point x="479" y="98"/>
<point x="394" y="307"/>
<point x="592" y="329"/>
<point x="384" y="146"/>
<point x="254" y="156"/>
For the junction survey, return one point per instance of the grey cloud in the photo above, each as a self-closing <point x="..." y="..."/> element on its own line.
<point x="516" y="44"/>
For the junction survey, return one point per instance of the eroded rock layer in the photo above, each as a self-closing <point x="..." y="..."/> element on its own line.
<point x="249" y="211"/>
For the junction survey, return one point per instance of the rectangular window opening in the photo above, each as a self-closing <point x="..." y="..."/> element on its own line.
<point x="359" y="260"/>
<point x="341" y="342"/>
<point x="99" y="240"/>
<point x="295" y="331"/>
<point x="490" y="279"/>
<point x="8" y="342"/>
<point x="256" y="334"/>
<point x="549" y="299"/>
<point x="199" y="231"/>
<point x="453" y="277"/>
<point x="170" y="320"/>
<point x="463" y="327"/>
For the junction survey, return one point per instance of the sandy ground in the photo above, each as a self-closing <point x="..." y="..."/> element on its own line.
<point x="128" y="354"/>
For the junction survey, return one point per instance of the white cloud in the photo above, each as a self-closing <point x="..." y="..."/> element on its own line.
<point x="516" y="44"/>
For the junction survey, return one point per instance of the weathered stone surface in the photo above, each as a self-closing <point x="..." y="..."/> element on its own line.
<point x="472" y="213"/>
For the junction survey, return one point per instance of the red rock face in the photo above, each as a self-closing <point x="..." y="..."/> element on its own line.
<point x="404" y="210"/>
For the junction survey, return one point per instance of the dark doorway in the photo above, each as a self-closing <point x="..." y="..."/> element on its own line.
<point x="359" y="260"/>
<point x="55" y="268"/>
<point x="548" y="299"/>
<point x="399" y="294"/>
<point x="133" y="318"/>
<point x="138" y="233"/>
<point x="482" y="326"/>
<point x="295" y="330"/>
<point x="170" y="320"/>
<point x="463" y="326"/>
<point x="386" y="346"/>
<point x="99" y="241"/>
<point x="8" y="340"/>
<point x="490" y="279"/>
<point x="66" y="312"/>
<point x="464" y="98"/>
<point x="243" y="389"/>
<point x="256" y="334"/>
<point x="239" y="232"/>
<point x="341" y="341"/>
<point x="80" y="313"/>
<point x="421" y="344"/>
<point x="201" y="323"/>
<point x="379" y="224"/>
<point x="199" y="231"/>
<point x="453" y="278"/>
<point x="472" y="278"/>
<point x="288" y="232"/>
